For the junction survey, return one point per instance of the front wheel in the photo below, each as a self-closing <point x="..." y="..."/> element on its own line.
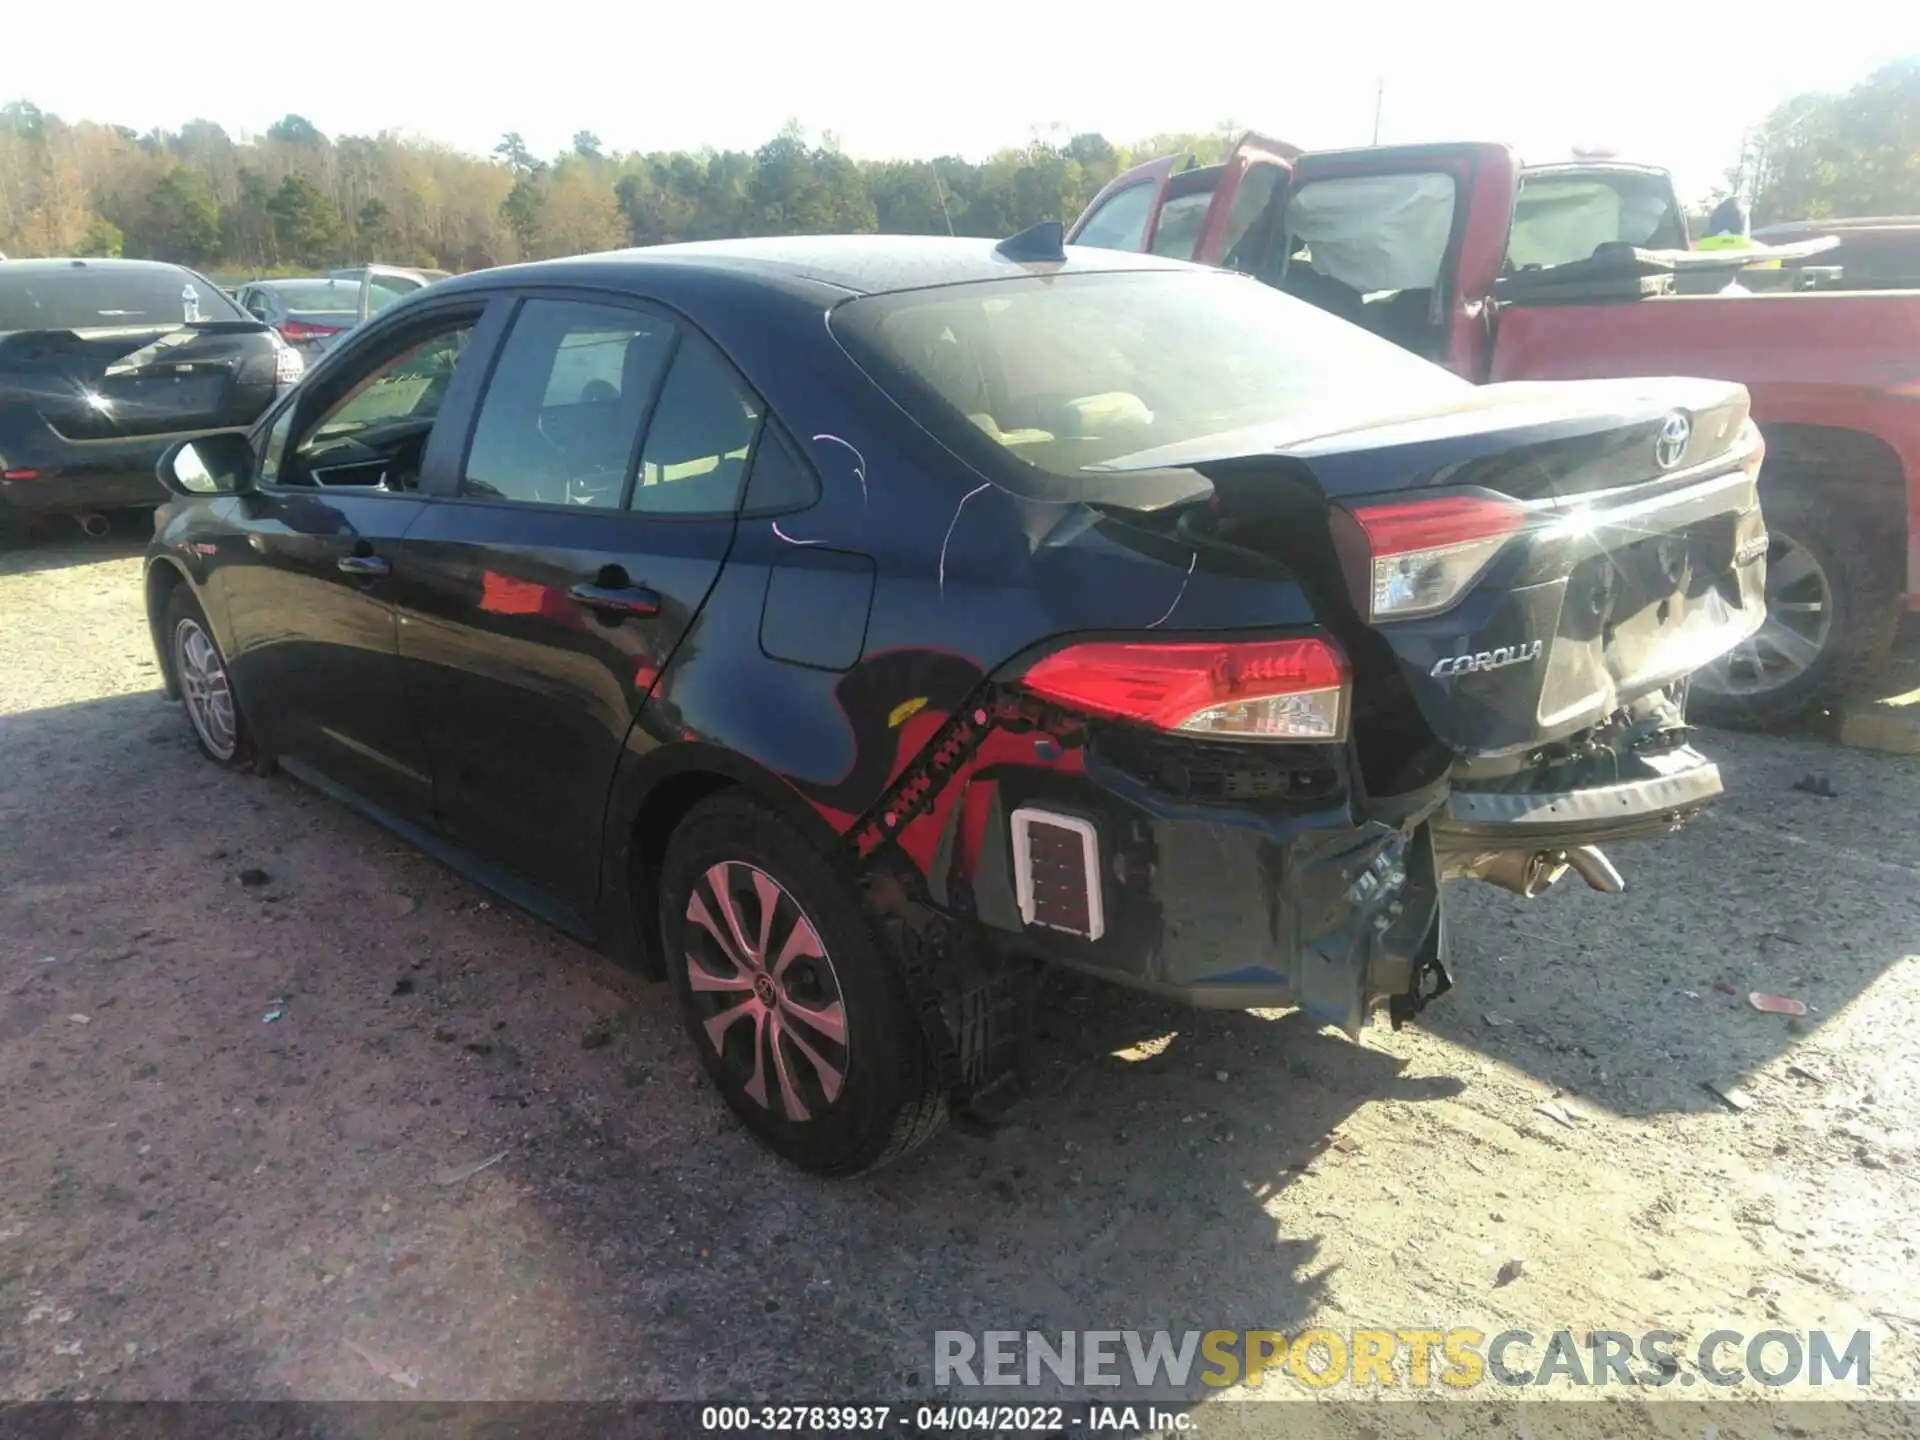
<point x="1832" y="597"/>
<point x="798" y="1014"/>
<point x="219" y="728"/>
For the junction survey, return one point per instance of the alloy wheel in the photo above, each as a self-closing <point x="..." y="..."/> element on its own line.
<point x="769" y="1001"/>
<point x="204" y="687"/>
<point x="1798" y="626"/>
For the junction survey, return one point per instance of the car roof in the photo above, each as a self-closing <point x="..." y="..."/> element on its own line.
<point x="44" y="266"/>
<point x="279" y="280"/>
<point x="832" y="266"/>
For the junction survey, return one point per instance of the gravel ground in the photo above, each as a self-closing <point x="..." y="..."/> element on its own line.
<point x="359" y="1132"/>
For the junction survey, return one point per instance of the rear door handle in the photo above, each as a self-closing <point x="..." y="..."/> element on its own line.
<point x="616" y="600"/>
<point x="365" y="565"/>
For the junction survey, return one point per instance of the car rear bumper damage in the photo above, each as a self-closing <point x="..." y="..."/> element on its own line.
<point x="1234" y="876"/>
<point x="1146" y="863"/>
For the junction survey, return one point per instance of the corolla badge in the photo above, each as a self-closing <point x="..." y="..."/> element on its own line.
<point x="1497" y="658"/>
<point x="1671" y="446"/>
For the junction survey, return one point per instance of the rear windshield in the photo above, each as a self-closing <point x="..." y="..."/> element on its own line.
<point x="323" y="295"/>
<point x="1563" y="218"/>
<point x="1065" y="374"/>
<point x="84" y="299"/>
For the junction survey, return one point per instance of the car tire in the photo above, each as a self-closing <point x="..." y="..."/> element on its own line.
<point x="213" y="711"/>
<point x="1821" y="556"/>
<point x="850" y="1087"/>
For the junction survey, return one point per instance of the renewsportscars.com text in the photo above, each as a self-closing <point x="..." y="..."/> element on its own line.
<point x="1461" y="1358"/>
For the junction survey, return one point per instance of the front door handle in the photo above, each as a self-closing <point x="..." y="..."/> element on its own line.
<point x="365" y="565"/>
<point x="621" y="600"/>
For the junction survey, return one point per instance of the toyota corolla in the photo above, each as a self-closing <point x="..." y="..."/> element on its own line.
<point x="848" y="629"/>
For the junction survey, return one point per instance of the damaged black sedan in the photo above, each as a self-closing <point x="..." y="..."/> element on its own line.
<point x="846" y="629"/>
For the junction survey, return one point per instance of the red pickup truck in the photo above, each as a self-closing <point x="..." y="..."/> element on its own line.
<point x="1580" y="271"/>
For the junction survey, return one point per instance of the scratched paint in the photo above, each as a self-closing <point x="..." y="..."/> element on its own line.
<point x="859" y="460"/>
<point x="1180" y="594"/>
<point x="789" y="539"/>
<point x="951" y="525"/>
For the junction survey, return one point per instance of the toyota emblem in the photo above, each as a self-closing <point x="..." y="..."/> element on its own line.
<point x="1671" y="448"/>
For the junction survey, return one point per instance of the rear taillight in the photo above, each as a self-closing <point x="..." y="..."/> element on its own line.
<point x="1231" y="690"/>
<point x="300" y="330"/>
<point x="1420" y="556"/>
<point x="19" y="474"/>
<point x="288" y="364"/>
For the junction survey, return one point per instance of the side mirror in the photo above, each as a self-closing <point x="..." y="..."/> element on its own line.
<point x="218" y="464"/>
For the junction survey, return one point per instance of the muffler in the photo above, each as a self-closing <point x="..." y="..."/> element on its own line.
<point x="94" y="524"/>
<point x="1531" y="873"/>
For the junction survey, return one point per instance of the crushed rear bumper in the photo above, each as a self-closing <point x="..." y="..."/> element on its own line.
<point x="1323" y="903"/>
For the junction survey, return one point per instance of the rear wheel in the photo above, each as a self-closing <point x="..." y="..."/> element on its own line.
<point x="798" y="1014"/>
<point x="1833" y="593"/>
<point x="219" y="728"/>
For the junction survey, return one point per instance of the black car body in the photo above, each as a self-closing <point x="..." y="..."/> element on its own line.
<point x="1094" y="610"/>
<point x="103" y="364"/>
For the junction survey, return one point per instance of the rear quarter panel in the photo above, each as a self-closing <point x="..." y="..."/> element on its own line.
<point x="1846" y="361"/>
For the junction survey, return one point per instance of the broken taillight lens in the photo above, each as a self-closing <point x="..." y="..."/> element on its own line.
<point x="1420" y="556"/>
<point x="288" y="364"/>
<point x="1292" y="689"/>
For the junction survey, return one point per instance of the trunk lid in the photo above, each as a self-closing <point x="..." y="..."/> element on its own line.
<point x="1592" y="544"/>
<point x="103" y="384"/>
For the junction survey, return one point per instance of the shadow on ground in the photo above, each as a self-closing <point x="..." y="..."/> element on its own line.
<point x="57" y="543"/>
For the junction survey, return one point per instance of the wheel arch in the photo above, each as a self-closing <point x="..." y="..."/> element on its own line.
<point x="652" y="793"/>
<point x="163" y="576"/>
<point x="1859" y="467"/>
<point x="1838" y="459"/>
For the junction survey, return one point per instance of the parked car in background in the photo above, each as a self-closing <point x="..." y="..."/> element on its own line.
<point x="103" y="365"/>
<point x="383" y="284"/>
<point x="1503" y="272"/>
<point x="844" y="627"/>
<point x="309" y="314"/>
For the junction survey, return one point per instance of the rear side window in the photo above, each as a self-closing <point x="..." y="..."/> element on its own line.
<point x="85" y="297"/>
<point x="780" y="480"/>
<point x="1560" y="218"/>
<point x="700" y="439"/>
<point x="1065" y="375"/>
<point x="564" y="408"/>
<point x="328" y="296"/>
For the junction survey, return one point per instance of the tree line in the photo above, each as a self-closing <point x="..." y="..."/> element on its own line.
<point x="295" y="198"/>
<point x="1822" y="156"/>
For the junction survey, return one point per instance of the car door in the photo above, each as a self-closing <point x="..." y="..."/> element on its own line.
<point x="555" y="573"/>
<point x="1199" y="213"/>
<point x="1123" y="215"/>
<point x="309" y="591"/>
<point x="1404" y="240"/>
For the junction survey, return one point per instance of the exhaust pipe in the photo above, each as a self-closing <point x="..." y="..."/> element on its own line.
<point x="94" y="524"/>
<point x="1594" y="868"/>
<point x="1531" y="873"/>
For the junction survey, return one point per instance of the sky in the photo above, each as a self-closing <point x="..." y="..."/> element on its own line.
<point x="928" y="79"/>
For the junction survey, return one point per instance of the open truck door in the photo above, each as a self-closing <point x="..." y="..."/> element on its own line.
<point x="1184" y="210"/>
<point x="1403" y="240"/>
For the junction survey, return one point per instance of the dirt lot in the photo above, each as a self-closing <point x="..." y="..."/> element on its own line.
<point x="359" y="1132"/>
